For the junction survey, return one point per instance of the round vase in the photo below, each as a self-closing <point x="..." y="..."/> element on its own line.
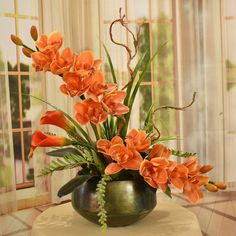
<point x="127" y="201"/>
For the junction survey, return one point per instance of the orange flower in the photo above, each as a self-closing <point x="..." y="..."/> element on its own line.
<point x="49" y="43"/>
<point x="178" y="174"/>
<point x="98" y="86"/>
<point x="138" y="140"/>
<point x="41" y="61"/>
<point x="192" y="165"/>
<point x="211" y="187"/>
<point x="74" y="85"/>
<point x="220" y="185"/>
<point x="88" y="110"/>
<point x="125" y="158"/>
<point x="159" y="150"/>
<point x="58" y="119"/>
<point x="206" y="168"/>
<point x="85" y="65"/>
<point x="103" y="145"/>
<point x="192" y="188"/>
<point x="62" y="62"/>
<point x="155" y="173"/>
<point x="40" y="139"/>
<point x="112" y="103"/>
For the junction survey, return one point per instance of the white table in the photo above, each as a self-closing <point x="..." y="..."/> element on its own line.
<point x="168" y="219"/>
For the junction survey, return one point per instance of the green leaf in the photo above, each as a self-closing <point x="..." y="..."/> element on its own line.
<point x="182" y="154"/>
<point x="63" y="151"/>
<point x="68" y="161"/>
<point x="110" y="64"/>
<point x="136" y="69"/>
<point x="67" y="116"/>
<point x="135" y="90"/>
<point x="148" y="127"/>
<point x="72" y="184"/>
<point x="163" y="139"/>
<point x="168" y="192"/>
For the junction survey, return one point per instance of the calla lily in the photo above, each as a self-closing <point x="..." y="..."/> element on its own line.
<point x="39" y="139"/>
<point x="58" y="119"/>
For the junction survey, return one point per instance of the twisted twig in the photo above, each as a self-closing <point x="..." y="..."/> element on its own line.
<point x="178" y="108"/>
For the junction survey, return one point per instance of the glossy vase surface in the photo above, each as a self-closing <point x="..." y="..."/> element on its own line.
<point x="127" y="201"/>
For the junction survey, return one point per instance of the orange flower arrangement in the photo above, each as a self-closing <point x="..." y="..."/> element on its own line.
<point x="106" y="108"/>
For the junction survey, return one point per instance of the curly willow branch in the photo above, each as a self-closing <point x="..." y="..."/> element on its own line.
<point x="123" y="23"/>
<point x="177" y="108"/>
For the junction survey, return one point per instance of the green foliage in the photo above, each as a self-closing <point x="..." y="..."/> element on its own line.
<point x="63" y="151"/>
<point x="100" y="196"/>
<point x="182" y="154"/>
<point x="72" y="184"/>
<point x="168" y="192"/>
<point x="110" y="64"/>
<point x="68" y="161"/>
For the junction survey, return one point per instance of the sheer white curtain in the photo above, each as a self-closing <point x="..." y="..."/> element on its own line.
<point x="7" y="170"/>
<point x="200" y="69"/>
<point x="78" y="22"/>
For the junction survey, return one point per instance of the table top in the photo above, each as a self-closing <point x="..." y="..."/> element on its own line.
<point x="167" y="218"/>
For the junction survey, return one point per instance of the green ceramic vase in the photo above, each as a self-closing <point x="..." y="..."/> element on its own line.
<point x="127" y="201"/>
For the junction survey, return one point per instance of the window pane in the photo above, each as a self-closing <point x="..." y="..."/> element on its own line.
<point x="7" y="48"/>
<point x="161" y="9"/>
<point x="29" y="8"/>
<point x="6" y="6"/>
<point x="25" y="88"/>
<point x="29" y="170"/>
<point x="137" y="11"/>
<point x="144" y="45"/>
<point x="163" y="63"/>
<point x="164" y="94"/>
<point x="14" y="99"/>
<point x="111" y="8"/>
<point x="18" y="157"/>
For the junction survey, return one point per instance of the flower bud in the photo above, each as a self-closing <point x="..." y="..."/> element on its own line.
<point x="211" y="187"/>
<point x="206" y="168"/>
<point x="220" y="185"/>
<point x="27" y="52"/>
<point x="16" y="40"/>
<point x="34" y="32"/>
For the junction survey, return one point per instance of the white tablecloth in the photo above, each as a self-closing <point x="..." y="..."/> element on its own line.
<point x="168" y="219"/>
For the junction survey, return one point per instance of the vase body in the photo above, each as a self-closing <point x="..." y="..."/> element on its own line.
<point x="127" y="201"/>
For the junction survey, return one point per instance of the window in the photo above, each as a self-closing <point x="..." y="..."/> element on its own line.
<point x="17" y="16"/>
<point x="156" y="21"/>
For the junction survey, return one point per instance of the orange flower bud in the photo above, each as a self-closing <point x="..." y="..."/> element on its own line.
<point x="34" y="32"/>
<point x="27" y="52"/>
<point x="220" y="185"/>
<point x="16" y="40"/>
<point x="211" y="187"/>
<point x="206" y="168"/>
